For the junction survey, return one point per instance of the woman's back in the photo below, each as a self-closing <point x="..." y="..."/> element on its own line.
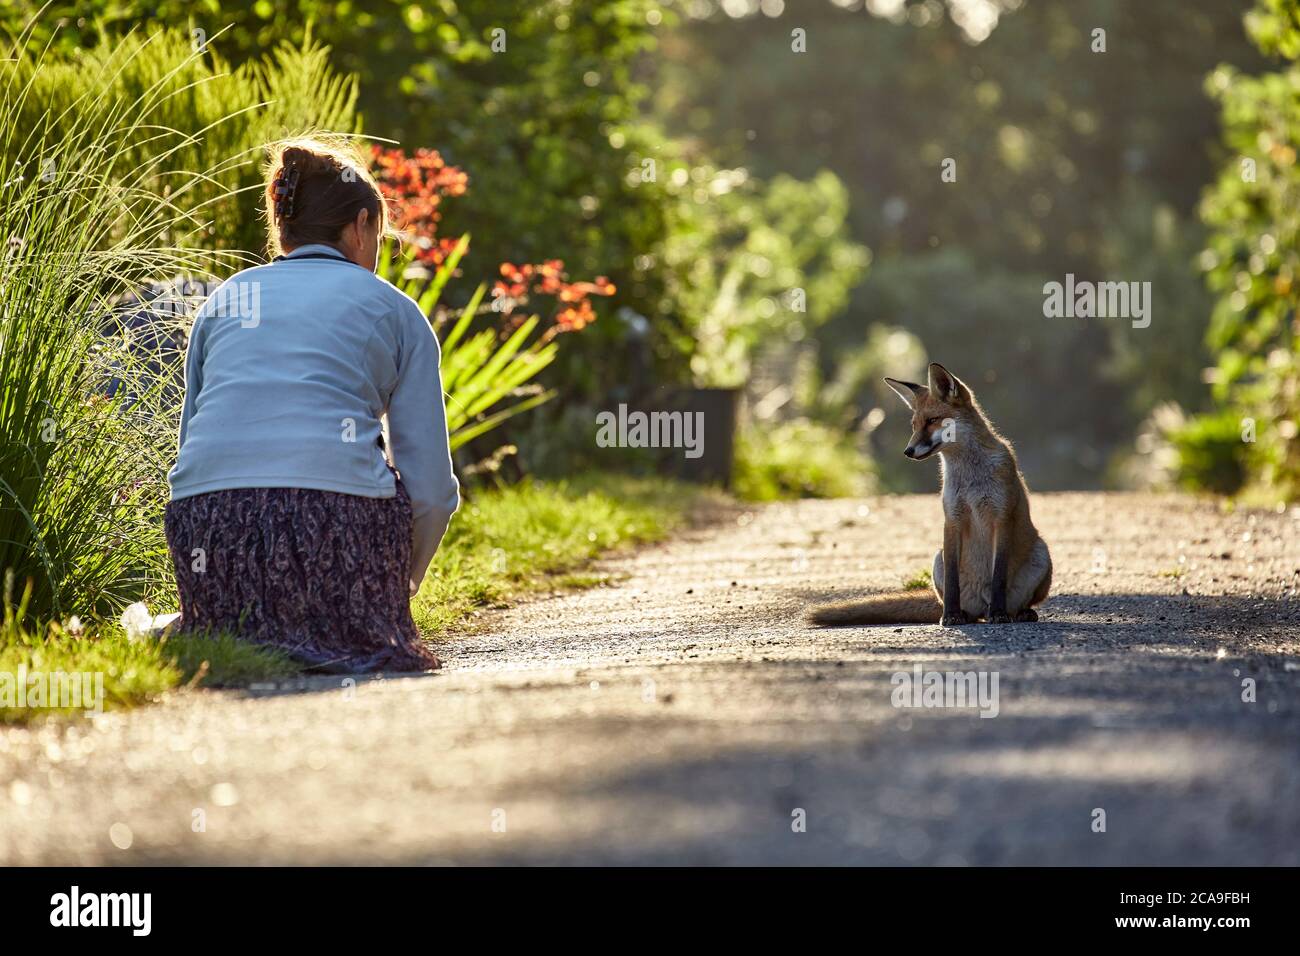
<point x="291" y="366"/>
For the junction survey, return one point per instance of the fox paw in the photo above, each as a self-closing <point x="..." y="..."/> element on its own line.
<point x="1027" y="616"/>
<point x="1000" y="617"/>
<point x="954" y="619"/>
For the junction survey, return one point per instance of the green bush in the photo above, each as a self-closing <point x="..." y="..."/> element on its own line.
<point x="747" y="261"/>
<point x="799" y="459"/>
<point x="1252" y="263"/>
<point x="1211" y="453"/>
<point x="203" y="116"/>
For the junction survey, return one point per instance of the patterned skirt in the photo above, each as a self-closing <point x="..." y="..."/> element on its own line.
<point x="320" y="575"/>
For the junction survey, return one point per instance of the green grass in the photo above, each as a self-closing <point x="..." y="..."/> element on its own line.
<point x="507" y="542"/>
<point x="113" y="670"/>
<point x="126" y="673"/>
<point x="223" y="660"/>
<point x="504" y="543"/>
<point x="919" y="581"/>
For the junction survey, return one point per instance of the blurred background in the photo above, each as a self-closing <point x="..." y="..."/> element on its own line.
<point x="761" y="183"/>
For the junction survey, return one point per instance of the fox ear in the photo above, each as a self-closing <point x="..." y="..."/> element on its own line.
<point x="909" y="392"/>
<point x="946" y="386"/>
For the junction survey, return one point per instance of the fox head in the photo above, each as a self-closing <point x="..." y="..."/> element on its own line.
<point x="938" y="410"/>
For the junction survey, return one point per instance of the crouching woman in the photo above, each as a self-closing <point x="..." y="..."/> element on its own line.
<point x="313" y="482"/>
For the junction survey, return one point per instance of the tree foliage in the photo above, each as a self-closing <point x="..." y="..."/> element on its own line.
<point x="1252" y="264"/>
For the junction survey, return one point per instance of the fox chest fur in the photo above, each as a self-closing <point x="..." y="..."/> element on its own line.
<point x="976" y="499"/>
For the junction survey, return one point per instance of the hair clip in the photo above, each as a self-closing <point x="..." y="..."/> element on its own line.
<point x="285" y="189"/>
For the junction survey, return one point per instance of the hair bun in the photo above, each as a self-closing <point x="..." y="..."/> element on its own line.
<point x="308" y="162"/>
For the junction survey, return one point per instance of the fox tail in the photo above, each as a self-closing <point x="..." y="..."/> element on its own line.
<point x="895" y="607"/>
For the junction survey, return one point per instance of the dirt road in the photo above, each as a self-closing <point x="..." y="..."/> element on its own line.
<point x="685" y="714"/>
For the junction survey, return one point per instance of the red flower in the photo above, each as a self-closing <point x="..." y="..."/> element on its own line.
<point x="414" y="187"/>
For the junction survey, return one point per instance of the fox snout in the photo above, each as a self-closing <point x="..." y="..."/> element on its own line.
<point x="921" y="447"/>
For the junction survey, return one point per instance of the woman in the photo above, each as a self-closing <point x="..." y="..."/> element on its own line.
<point x="314" y="481"/>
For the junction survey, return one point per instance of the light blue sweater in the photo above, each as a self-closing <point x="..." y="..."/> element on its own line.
<point x="292" y="373"/>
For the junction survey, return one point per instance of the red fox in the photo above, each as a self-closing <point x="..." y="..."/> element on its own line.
<point x="993" y="565"/>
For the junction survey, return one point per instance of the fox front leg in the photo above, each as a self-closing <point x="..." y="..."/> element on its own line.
<point x="1001" y="558"/>
<point x="953" y="615"/>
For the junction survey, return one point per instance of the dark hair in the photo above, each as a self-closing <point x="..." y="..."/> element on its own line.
<point x="314" y="190"/>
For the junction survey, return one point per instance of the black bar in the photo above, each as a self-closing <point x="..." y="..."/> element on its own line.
<point x="930" y="907"/>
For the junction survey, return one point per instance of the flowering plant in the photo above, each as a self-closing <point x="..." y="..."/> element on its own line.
<point x="415" y="186"/>
<point x="573" y="311"/>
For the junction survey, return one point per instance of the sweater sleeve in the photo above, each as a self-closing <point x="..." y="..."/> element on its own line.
<point x="418" y="442"/>
<point x="193" y="374"/>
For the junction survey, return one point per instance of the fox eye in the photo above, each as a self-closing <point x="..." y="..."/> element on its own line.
<point x="932" y="421"/>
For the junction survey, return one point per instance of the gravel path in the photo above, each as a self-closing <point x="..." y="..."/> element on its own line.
<point x="685" y="714"/>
